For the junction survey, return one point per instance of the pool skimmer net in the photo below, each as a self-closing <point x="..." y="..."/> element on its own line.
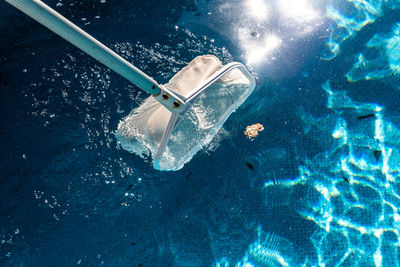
<point x="210" y="93"/>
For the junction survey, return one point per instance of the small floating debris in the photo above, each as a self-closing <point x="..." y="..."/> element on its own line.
<point x="252" y="130"/>
<point x="363" y="117"/>
<point x="377" y="153"/>
<point x="346" y="179"/>
<point x="250" y="166"/>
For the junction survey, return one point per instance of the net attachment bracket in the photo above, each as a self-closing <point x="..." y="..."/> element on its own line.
<point x="173" y="101"/>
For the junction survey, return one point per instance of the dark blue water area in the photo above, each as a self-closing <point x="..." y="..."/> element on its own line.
<point x="69" y="195"/>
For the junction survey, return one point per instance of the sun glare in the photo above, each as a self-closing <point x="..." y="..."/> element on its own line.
<point x="299" y="10"/>
<point x="258" y="9"/>
<point x="258" y="53"/>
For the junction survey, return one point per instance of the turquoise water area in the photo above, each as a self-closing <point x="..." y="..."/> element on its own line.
<point x="320" y="186"/>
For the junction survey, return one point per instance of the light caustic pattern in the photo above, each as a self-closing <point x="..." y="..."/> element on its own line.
<point x="353" y="188"/>
<point x="361" y="13"/>
<point x="385" y="62"/>
<point x="268" y="250"/>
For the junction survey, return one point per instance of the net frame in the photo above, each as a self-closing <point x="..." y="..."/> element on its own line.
<point x="176" y="116"/>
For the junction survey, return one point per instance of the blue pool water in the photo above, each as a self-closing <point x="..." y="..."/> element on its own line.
<point x="320" y="186"/>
